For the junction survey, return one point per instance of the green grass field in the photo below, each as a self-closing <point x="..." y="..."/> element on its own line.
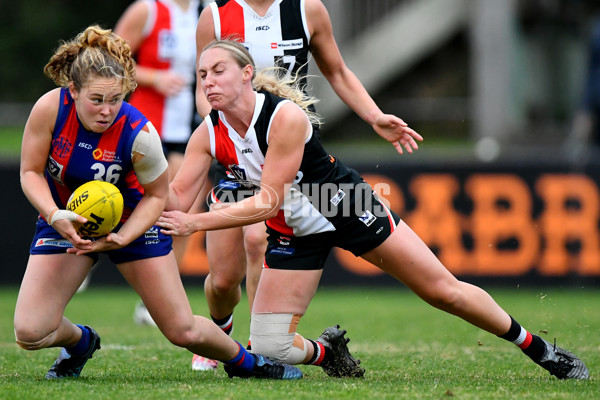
<point x="10" y="142"/>
<point x="409" y="350"/>
<point x="355" y="149"/>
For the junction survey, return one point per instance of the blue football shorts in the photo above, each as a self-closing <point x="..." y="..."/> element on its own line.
<point x="152" y="243"/>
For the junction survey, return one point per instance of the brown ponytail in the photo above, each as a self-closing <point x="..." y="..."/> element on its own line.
<point x="95" y="52"/>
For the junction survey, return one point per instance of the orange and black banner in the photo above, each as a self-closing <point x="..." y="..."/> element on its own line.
<point x="500" y="222"/>
<point x="533" y="224"/>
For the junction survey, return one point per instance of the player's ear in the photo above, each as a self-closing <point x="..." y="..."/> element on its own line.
<point x="73" y="91"/>
<point x="247" y="73"/>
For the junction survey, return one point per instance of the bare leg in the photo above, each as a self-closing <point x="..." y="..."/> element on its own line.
<point x="286" y="292"/>
<point x="222" y="286"/>
<point x="255" y="244"/>
<point x="49" y="283"/>
<point x="180" y="243"/>
<point x="227" y="263"/>
<point x="157" y="282"/>
<point x="405" y="257"/>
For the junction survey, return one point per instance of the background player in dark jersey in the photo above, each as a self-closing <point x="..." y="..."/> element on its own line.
<point x="84" y="131"/>
<point x="277" y="33"/>
<point x="304" y="228"/>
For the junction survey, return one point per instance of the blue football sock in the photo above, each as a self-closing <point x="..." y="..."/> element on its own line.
<point x="83" y="345"/>
<point x="243" y="359"/>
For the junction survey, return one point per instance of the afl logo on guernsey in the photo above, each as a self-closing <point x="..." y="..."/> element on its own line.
<point x="54" y="169"/>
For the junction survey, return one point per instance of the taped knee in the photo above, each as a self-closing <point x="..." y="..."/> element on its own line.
<point x="40" y="344"/>
<point x="274" y="335"/>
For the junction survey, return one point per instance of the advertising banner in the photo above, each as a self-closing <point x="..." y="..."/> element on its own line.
<point x="511" y="224"/>
<point x="484" y="222"/>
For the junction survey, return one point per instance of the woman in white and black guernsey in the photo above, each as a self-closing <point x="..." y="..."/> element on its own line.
<point x="277" y="33"/>
<point x="311" y="203"/>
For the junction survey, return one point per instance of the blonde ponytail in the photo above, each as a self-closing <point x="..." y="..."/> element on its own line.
<point x="272" y="79"/>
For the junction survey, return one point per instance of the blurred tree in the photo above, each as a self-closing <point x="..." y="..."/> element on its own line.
<point x="31" y="30"/>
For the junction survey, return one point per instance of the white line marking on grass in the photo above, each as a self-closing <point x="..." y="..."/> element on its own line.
<point x="117" y="347"/>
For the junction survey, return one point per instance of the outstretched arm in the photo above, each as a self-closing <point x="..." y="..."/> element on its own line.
<point x="191" y="176"/>
<point x="348" y="87"/>
<point x="288" y="132"/>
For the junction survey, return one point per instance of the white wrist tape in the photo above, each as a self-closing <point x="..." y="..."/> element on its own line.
<point x="62" y="214"/>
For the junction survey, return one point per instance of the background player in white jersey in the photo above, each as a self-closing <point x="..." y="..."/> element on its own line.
<point x="276" y="33"/>
<point x="311" y="203"/>
<point x="161" y="34"/>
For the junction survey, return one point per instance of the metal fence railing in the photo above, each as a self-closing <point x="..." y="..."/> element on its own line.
<point x="351" y="17"/>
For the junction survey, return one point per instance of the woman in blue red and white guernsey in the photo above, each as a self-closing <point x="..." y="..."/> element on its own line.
<point x="84" y="131"/>
<point x="311" y="203"/>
